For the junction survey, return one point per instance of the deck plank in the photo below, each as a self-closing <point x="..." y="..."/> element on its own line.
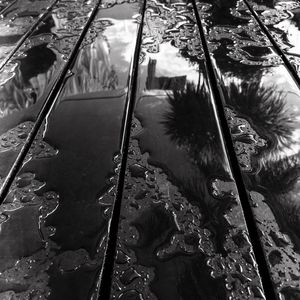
<point x="262" y="103"/>
<point x="30" y="76"/>
<point x="55" y="225"/>
<point x="181" y="233"/>
<point x="181" y="225"/>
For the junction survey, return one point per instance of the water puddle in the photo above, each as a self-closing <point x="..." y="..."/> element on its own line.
<point x="279" y="248"/>
<point x="27" y="79"/>
<point x="247" y="142"/>
<point x="182" y="233"/>
<point x="262" y="108"/>
<point x="68" y="231"/>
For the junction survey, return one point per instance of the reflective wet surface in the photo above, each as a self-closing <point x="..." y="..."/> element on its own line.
<point x="181" y="222"/>
<point x="17" y="18"/>
<point x="53" y="209"/>
<point x="149" y="150"/>
<point x="282" y="20"/>
<point x="28" y="77"/>
<point x="262" y="110"/>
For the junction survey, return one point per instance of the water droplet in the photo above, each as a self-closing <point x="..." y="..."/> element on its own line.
<point x="129" y="276"/>
<point x="275" y="257"/>
<point x="141" y="194"/>
<point x="131" y="295"/>
<point x="122" y="258"/>
<point x="137" y="171"/>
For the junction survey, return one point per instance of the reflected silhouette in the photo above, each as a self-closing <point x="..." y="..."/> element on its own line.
<point x="29" y="78"/>
<point x="190" y="125"/>
<point x="280" y="176"/>
<point x="162" y="83"/>
<point x="186" y="187"/>
<point x="273" y="182"/>
<point x="38" y="60"/>
<point x="280" y="183"/>
<point x="221" y="10"/>
<point x="296" y="18"/>
<point x="265" y="108"/>
<point x="28" y="83"/>
<point x="93" y="70"/>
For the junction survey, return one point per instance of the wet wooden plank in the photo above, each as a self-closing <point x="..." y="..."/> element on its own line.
<point x="262" y="109"/>
<point x="53" y="222"/>
<point x="182" y="233"/>
<point x="29" y="77"/>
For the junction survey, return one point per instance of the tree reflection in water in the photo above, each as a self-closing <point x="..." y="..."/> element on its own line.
<point x="265" y="108"/>
<point x="190" y="125"/>
<point x="277" y="176"/>
<point x="94" y="71"/>
<point x="29" y="81"/>
<point x="279" y="181"/>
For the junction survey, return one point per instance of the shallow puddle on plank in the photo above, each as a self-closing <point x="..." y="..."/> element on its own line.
<point x="80" y="140"/>
<point x="182" y="233"/>
<point x="262" y="104"/>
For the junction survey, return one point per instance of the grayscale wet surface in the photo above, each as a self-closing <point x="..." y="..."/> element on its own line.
<point x="149" y="150"/>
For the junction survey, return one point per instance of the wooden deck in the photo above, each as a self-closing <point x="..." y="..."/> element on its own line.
<point x="149" y="150"/>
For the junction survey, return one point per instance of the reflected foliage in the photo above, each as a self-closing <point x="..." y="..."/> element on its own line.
<point x="189" y="124"/>
<point x="296" y="18"/>
<point x="280" y="176"/>
<point x="279" y="181"/>
<point x="93" y="70"/>
<point x="26" y="76"/>
<point x="244" y="53"/>
<point x="266" y="108"/>
<point x="28" y="82"/>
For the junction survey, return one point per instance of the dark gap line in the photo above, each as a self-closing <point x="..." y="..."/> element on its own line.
<point x="294" y="54"/>
<point x="27" y="34"/>
<point x="51" y="98"/>
<point x="218" y="97"/>
<point x="7" y="7"/>
<point x="109" y="257"/>
<point x="286" y="61"/>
